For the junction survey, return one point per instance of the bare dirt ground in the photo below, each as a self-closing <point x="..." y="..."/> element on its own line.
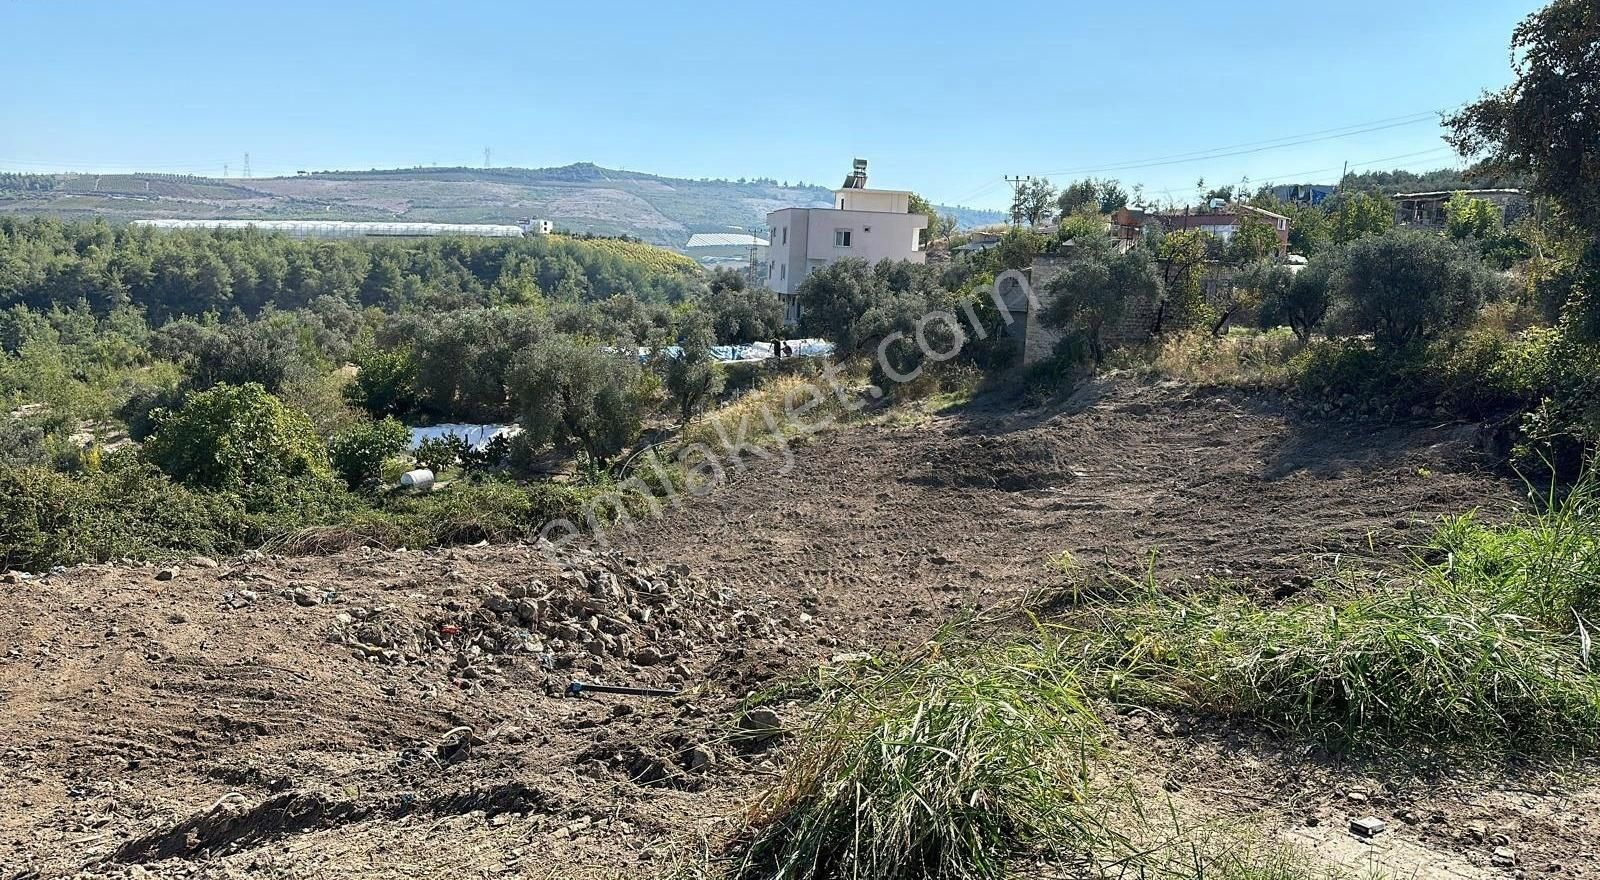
<point x="398" y="713"/>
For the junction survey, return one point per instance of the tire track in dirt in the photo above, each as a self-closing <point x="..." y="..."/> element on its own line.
<point x="890" y="525"/>
<point x="131" y="708"/>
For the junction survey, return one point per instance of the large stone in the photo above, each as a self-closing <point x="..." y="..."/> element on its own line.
<point x="760" y="725"/>
<point x="698" y="759"/>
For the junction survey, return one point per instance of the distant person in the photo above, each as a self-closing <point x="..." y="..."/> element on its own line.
<point x="787" y="351"/>
<point x="777" y="348"/>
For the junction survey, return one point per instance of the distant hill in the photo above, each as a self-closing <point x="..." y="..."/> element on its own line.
<point x="577" y="198"/>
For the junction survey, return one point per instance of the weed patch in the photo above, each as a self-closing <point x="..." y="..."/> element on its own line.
<point x="1545" y="563"/>
<point x="1387" y="672"/>
<point x="942" y="767"/>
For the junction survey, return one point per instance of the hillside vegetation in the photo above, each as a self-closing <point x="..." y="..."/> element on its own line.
<point x="580" y="198"/>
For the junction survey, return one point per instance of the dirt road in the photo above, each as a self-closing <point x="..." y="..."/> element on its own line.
<point x="397" y="714"/>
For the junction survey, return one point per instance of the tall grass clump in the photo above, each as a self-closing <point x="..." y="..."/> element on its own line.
<point x="948" y="767"/>
<point x="1545" y="562"/>
<point x="1394" y="672"/>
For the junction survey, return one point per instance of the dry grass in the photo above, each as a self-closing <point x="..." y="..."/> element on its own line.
<point x="1242" y="357"/>
<point x="778" y="409"/>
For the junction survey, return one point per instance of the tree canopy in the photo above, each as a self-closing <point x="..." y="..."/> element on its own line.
<point x="1407" y="286"/>
<point x="1098" y="288"/>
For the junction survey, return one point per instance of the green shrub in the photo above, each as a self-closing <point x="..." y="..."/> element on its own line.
<point x="465" y="513"/>
<point x="386" y="384"/>
<point x="1562" y="432"/>
<point x="445" y="451"/>
<point x="239" y="439"/>
<point x="493" y="511"/>
<point x="128" y="509"/>
<point x="143" y="406"/>
<point x="948" y="766"/>
<point x="358" y="453"/>
<point x="22" y="441"/>
<point x="1484" y="374"/>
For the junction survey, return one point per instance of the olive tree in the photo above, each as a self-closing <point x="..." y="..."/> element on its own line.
<point x="739" y="313"/>
<point x="1407" y="286"/>
<point x="692" y="377"/>
<point x="1300" y="301"/>
<point x="845" y="302"/>
<point x="1097" y="289"/>
<point x="574" y="395"/>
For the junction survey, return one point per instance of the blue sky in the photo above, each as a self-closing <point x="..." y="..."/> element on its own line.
<point x="943" y="99"/>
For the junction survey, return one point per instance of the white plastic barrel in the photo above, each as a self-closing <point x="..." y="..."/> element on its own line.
<point x="420" y="479"/>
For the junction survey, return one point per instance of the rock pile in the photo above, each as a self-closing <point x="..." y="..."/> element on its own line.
<point x="594" y="612"/>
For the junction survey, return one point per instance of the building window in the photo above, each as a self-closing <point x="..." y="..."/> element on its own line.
<point x="841" y="238"/>
<point x="783" y="272"/>
<point x="785" y="235"/>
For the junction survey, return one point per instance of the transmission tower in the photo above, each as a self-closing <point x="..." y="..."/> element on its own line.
<point x="486" y="157"/>
<point x="246" y="171"/>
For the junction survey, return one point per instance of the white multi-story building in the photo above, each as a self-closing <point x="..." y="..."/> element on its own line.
<point x="866" y="224"/>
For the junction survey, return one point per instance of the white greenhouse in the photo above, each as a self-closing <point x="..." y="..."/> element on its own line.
<point x="344" y="228"/>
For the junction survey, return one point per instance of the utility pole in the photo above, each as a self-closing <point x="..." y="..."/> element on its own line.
<point x="1016" y="197"/>
<point x="754" y="253"/>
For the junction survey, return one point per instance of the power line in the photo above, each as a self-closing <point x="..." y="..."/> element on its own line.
<point x="1226" y="152"/>
<point x="1268" y="178"/>
<point x="1336" y="131"/>
<point x="989" y="185"/>
<point x="1240" y="149"/>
